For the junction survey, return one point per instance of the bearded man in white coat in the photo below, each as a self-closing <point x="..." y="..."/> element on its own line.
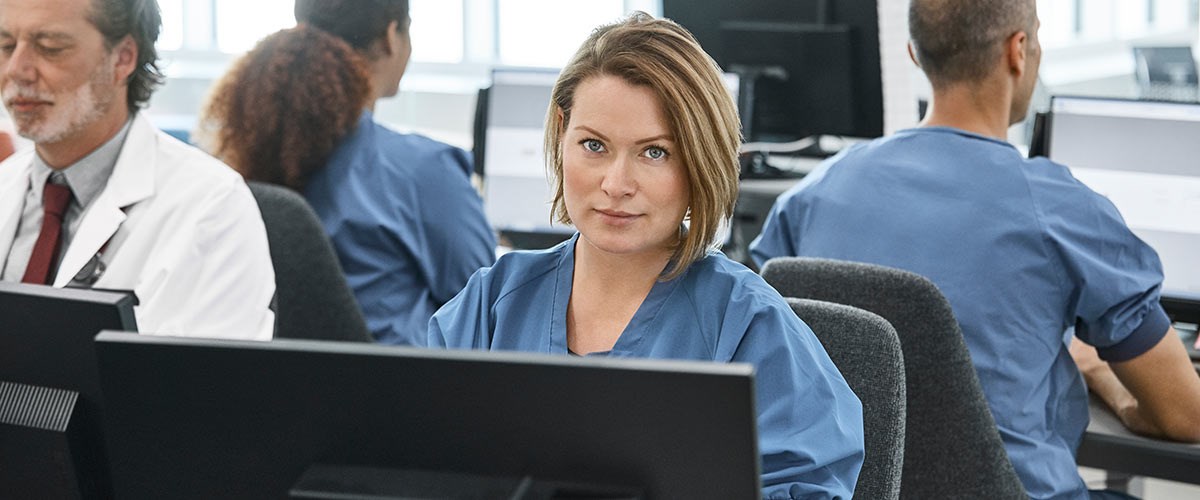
<point x="104" y="199"/>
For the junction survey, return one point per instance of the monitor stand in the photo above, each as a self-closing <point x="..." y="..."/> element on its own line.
<point x="341" y="482"/>
<point x="49" y="448"/>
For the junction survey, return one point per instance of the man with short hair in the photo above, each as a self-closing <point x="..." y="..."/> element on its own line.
<point x="1026" y="254"/>
<point x="105" y="200"/>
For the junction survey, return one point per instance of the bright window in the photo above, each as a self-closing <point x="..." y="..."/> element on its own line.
<point x="437" y="30"/>
<point x="547" y="32"/>
<point x="480" y="33"/>
<point x="1068" y="23"/>
<point x="241" y="24"/>
<point x="171" y="37"/>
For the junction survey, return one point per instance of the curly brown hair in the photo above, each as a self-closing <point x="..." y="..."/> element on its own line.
<point x="278" y="114"/>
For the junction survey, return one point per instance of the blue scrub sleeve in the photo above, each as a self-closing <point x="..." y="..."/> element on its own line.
<point x="780" y="235"/>
<point x="776" y="238"/>
<point x="457" y="237"/>
<point x="810" y="425"/>
<point x="465" y="321"/>
<point x="1115" y="277"/>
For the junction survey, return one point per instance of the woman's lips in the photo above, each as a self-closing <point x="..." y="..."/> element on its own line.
<point x="617" y="217"/>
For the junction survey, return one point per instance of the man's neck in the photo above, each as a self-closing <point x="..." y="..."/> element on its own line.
<point x="67" y="152"/>
<point x="982" y="108"/>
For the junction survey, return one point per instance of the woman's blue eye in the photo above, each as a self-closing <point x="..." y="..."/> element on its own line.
<point x="593" y="146"/>
<point x="656" y="153"/>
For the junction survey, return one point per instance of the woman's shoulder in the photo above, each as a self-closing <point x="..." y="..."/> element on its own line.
<point x="522" y="268"/>
<point x="716" y="285"/>
<point x="750" y="313"/>
<point x="718" y="273"/>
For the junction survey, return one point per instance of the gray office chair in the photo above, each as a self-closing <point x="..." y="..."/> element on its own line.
<point x="312" y="298"/>
<point x="952" y="448"/>
<point x="865" y="348"/>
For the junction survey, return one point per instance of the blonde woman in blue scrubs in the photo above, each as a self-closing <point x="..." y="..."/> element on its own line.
<point x="642" y="136"/>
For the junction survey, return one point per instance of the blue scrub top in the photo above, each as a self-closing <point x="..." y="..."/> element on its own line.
<point x="1024" y="252"/>
<point x="406" y="223"/>
<point x="810" y="423"/>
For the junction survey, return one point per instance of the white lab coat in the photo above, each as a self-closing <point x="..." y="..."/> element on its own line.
<point x="174" y="225"/>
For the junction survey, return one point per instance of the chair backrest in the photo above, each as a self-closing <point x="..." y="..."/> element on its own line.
<point x="952" y="447"/>
<point x="866" y="351"/>
<point x="313" y="300"/>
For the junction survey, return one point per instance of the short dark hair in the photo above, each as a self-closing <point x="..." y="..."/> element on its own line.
<point x="141" y="20"/>
<point x="959" y="40"/>
<point x="361" y="23"/>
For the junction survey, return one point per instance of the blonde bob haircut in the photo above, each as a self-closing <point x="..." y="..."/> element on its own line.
<point x="664" y="57"/>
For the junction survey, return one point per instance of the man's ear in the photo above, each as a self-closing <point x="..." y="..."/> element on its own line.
<point x="127" y="56"/>
<point x="1015" y="53"/>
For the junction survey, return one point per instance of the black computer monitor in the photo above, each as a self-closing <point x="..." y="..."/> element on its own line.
<point x="809" y="67"/>
<point x="1142" y="155"/>
<point x="221" y="419"/>
<point x="509" y="132"/>
<point x="50" y="442"/>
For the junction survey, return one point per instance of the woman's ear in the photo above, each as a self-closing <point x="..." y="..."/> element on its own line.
<point x="391" y="38"/>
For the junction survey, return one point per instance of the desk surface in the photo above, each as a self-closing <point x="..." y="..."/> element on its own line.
<point x="1109" y="445"/>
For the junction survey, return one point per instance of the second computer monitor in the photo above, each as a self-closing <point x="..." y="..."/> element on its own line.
<point x="50" y="401"/>
<point x="814" y="64"/>
<point x="223" y="419"/>
<point x="516" y="188"/>
<point x="1143" y="156"/>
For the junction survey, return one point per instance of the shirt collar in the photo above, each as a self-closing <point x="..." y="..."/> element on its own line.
<point x="956" y="131"/>
<point x="88" y="176"/>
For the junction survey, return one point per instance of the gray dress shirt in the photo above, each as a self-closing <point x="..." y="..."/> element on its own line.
<point x="86" y="178"/>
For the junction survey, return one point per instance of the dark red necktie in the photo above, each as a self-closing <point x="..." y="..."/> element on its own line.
<point x="55" y="199"/>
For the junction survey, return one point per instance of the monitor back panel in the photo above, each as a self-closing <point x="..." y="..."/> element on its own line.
<point x="206" y="419"/>
<point x="46" y="334"/>
<point x="50" y="403"/>
<point x="517" y="192"/>
<point x="1143" y="156"/>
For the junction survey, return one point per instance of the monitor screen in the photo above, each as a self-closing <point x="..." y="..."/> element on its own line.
<point x="516" y="185"/>
<point x="809" y="67"/>
<point x="50" y="441"/>
<point x="517" y="191"/>
<point x="1142" y="155"/>
<point x="251" y="419"/>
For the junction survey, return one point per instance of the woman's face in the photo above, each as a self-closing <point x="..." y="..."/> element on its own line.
<point x="624" y="183"/>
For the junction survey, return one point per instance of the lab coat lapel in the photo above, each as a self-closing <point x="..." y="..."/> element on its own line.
<point x="132" y="181"/>
<point x="12" y="198"/>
